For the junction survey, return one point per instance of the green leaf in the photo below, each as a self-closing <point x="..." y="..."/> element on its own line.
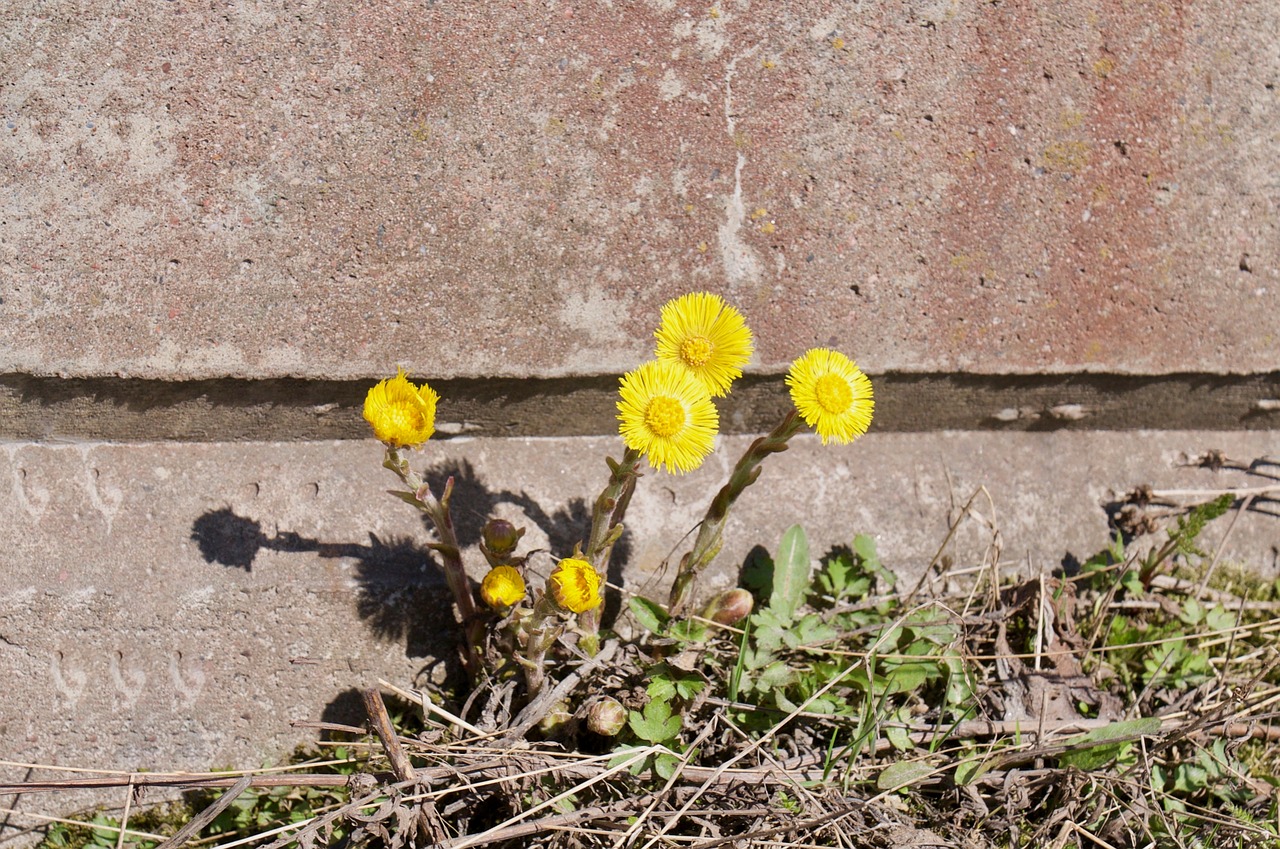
<point x="899" y="738"/>
<point x="809" y="631"/>
<point x="689" y="687"/>
<point x="790" y="573"/>
<point x="740" y="665"/>
<point x="960" y="688"/>
<point x="769" y="629"/>
<point x="622" y="754"/>
<point x="776" y="676"/>
<point x="1192" y="612"/>
<point x="688" y="631"/>
<point x="665" y="766"/>
<point x="406" y="497"/>
<point x="1100" y="746"/>
<point x="903" y="773"/>
<point x="656" y="724"/>
<point x="669" y="682"/>
<point x="649" y="614"/>
<point x="1219" y="618"/>
<point x="834" y="577"/>
<point x="661" y="689"/>
<point x="907" y="678"/>
<point x="970" y="770"/>
<point x="864" y="546"/>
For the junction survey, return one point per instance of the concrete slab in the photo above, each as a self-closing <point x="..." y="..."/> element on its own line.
<point x="176" y="606"/>
<point x="328" y="190"/>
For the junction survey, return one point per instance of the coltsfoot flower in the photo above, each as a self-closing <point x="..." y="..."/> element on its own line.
<point x="703" y="334"/>
<point x="667" y="415"/>
<point x="575" y="585"/>
<point x="502" y="588"/>
<point x="831" y="394"/>
<point x="402" y="415"/>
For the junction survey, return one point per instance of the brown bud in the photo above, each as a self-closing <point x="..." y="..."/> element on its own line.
<point x="729" y="608"/>
<point x="607" y="717"/>
<point x="501" y="537"/>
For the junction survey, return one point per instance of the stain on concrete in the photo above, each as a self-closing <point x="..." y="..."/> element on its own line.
<point x="1008" y="188"/>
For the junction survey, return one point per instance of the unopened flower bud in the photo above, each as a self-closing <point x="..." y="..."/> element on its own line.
<point x="502" y="588"/>
<point x="501" y="537"/>
<point x="607" y="717"/>
<point x="729" y="608"/>
<point x="555" y="718"/>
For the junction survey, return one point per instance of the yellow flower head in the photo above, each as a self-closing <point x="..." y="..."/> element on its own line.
<point x="575" y="585"/>
<point x="402" y="414"/>
<point x="502" y="587"/>
<point x="667" y="415"/>
<point x="832" y="394"/>
<point x="708" y="337"/>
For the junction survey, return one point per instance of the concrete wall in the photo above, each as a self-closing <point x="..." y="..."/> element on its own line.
<point x="220" y="221"/>
<point x="325" y="189"/>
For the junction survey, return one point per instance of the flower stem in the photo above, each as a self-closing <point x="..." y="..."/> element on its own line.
<point x="542" y="629"/>
<point x="711" y="533"/>
<point x="450" y="554"/>
<point x="610" y="507"/>
<point x="606" y="527"/>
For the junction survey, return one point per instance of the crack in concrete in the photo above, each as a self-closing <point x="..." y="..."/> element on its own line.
<point x="49" y="409"/>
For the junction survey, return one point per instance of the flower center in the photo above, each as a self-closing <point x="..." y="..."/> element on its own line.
<point x="833" y="393"/>
<point x="406" y="417"/>
<point x="695" y="351"/>
<point x="664" y="416"/>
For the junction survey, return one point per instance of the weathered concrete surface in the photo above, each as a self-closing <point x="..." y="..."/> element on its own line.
<point x="327" y="189"/>
<point x="176" y="606"/>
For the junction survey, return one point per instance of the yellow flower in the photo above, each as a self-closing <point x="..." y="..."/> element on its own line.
<point x="667" y="415"/>
<point x="502" y="587"/>
<point x="401" y="414"/>
<point x="575" y="585"/>
<point x="832" y="394"/>
<point x="707" y="336"/>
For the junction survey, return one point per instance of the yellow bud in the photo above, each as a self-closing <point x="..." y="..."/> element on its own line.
<point x="502" y="588"/>
<point x="575" y="585"/>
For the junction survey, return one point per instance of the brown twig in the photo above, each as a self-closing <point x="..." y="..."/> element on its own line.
<point x="207" y="816"/>
<point x="381" y="723"/>
<point x="175" y="779"/>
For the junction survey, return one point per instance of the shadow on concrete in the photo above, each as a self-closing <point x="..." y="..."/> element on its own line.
<point x="346" y="708"/>
<point x="397" y="578"/>
<point x="401" y="587"/>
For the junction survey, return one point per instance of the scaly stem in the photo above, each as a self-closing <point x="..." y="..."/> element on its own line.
<point x="606" y="527"/>
<point x="711" y="533"/>
<point x="450" y="554"/>
<point x="610" y="507"/>
<point x="541" y="630"/>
